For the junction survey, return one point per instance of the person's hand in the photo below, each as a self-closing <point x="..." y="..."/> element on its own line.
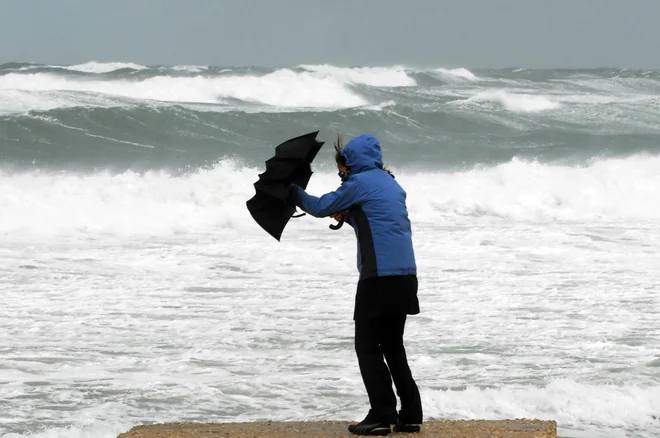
<point x="340" y="216"/>
<point x="290" y="190"/>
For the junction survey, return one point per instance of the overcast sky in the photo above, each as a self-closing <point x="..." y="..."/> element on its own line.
<point x="456" y="33"/>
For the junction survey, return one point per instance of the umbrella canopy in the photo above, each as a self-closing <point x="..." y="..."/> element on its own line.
<point x="290" y="165"/>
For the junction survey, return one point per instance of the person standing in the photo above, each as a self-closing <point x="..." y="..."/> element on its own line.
<point x="374" y="204"/>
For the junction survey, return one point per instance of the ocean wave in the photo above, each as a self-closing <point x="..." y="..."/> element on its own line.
<point x="587" y="409"/>
<point x="605" y="189"/>
<point x="461" y="73"/>
<point x="25" y="86"/>
<point x="282" y="89"/>
<point x="190" y="68"/>
<point x="515" y="101"/>
<point x="158" y="203"/>
<point x="575" y="406"/>
<point x="190" y="116"/>
<point x="395" y="76"/>
<point x="102" y="67"/>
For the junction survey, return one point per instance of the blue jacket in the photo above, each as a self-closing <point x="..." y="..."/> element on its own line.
<point x="378" y="213"/>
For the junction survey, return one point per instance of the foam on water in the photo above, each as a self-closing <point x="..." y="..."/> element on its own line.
<point x="515" y="101"/>
<point x="102" y="331"/>
<point x="395" y="76"/>
<point x="122" y="204"/>
<point x="14" y="101"/>
<point x="548" y="321"/>
<point x="460" y="73"/>
<point x="610" y="189"/>
<point x="579" y="409"/>
<point x="93" y="429"/>
<point x="327" y="87"/>
<point x="190" y="68"/>
<point x="586" y="407"/>
<point x="157" y="203"/>
<point x="103" y="67"/>
<point x="139" y="297"/>
<point x="281" y="88"/>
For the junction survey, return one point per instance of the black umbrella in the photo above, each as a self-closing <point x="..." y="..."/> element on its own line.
<point x="290" y="165"/>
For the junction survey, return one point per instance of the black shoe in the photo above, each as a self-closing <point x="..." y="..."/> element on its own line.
<point x="370" y="427"/>
<point x="408" y="428"/>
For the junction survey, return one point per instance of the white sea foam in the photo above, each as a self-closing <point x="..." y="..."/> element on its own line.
<point x="461" y="73"/>
<point x="139" y="298"/>
<point x="516" y="102"/>
<point x="280" y="89"/>
<point x="315" y="87"/>
<point x="14" y="101"/>
<point x="102" y="67"/>
<point x="131" y="298"/>
<point x="125" y="204"/>
<point x="608" y="189"/>
<point x="87" y="429"/>
<point x="582" y="408"/>
<point x="159" y="204"/>
<point x="395" y="76"/>
<point x="588" y="408"/>
<point x="190" y="68"/>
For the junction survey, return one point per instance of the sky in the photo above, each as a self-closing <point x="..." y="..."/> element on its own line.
<point x="276" y="33"/>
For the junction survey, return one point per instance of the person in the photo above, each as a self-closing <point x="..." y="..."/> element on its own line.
<point x="374" y="204"/>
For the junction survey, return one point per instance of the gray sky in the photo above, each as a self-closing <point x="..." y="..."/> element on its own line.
<point x="456" y="33"/>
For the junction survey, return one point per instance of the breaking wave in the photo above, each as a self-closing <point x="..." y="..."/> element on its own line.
<point x="160" y="203"/>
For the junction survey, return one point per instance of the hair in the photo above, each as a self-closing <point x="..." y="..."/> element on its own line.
<point x="339" y="145"/>
<point x="340" y="159"/>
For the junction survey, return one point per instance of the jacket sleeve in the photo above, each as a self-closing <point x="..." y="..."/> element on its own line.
<point x="330" y="203"/>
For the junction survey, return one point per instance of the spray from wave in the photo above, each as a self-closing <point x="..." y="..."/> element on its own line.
<point x="157" y="203"/>
<point x="582" y="406"/>
<point x="103" y="67"/>
<point x="318" y="87"/>
<point x="373" y="76"/>
<point x="521" y="190"/>
<point x="514" y="101"/>
<point x="282" y="88"/>
<point x="457" y="73"/>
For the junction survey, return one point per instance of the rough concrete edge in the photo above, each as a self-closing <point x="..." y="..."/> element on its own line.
<point x="546" y="429"/>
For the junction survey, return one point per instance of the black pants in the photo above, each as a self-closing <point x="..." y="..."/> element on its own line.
<point x="381" y="338"/>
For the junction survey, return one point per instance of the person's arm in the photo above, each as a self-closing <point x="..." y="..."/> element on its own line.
<point x="328" y="204"/>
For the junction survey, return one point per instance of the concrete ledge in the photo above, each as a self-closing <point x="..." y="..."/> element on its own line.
<point x="518" y="428"/>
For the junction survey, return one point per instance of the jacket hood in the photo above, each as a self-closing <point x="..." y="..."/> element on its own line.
<point x="363" y="153"/>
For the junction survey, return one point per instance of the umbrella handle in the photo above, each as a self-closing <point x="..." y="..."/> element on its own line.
<point x="299" y="215"/>
<point x="336" y="227"/>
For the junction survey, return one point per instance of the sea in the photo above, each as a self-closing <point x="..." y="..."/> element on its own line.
<point x="136" y="288"/>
